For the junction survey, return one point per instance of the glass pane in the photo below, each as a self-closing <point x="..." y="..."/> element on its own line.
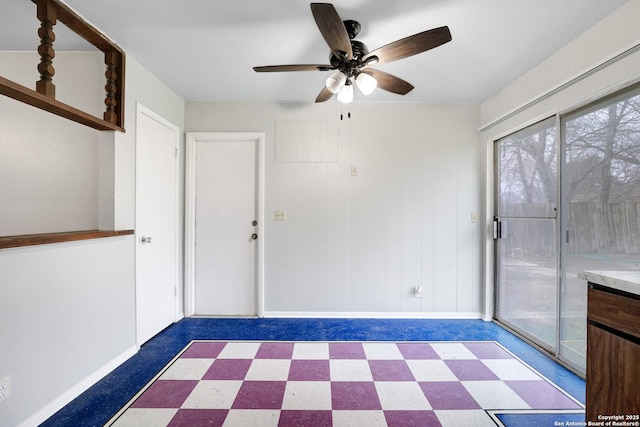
<point x="527" y="278"/>
<point x="601" y="187"/>
<point x="527" y="172"/>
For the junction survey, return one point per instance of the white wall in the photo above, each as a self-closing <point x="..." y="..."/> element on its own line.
<point x="66" y="319"/>
<point x="50" y="179"/>
<point x="358" y="245"/>
<point x="602" y="60"/>
<point x="67" y="311"/>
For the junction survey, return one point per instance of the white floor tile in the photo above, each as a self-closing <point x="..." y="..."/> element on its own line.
<point x="454" y="350"/>
<point x="464" y="418"/>
<point x="311" y="351"/>
<point x="507" y="369"/>
<point x="252" y="417"/>
<point x="212" y="395"/>
<point x="148" y="417"/>
<point x="494" y="395"/>
<point x="268" y="370"/>
<point x="309" y="395"/>
<point x="349" y="370"/>
<point x="401" y="395"/>
<point x="239" y="350"/>
<point x="359" y="419"/>
<point x="431" y="370"/>
<point x="187" y="369"/>
<point x="382" y="351"/>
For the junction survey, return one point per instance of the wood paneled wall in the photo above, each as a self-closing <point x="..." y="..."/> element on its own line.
<point x="359" y="244"/>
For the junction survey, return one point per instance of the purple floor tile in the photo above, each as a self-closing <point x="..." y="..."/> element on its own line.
<point x="487" y="350"/>
<point x="309" y="370"/>
<point x="260" y="395"/>
<point x="390" y="370"/>
<point x="417" y="350"/>
<point x="305" y="418"/>
<point x="165" y="394"/>
<point x="204" y="350"/>
<point x="448" y="395"/>
<point x="275" y="350"/>
<point x="228" y="369"/>
<point x="542" y="395"/>
<point x="199" y="417"/>
<point x="411" y="419"/>
<point x="346" y="350"/>
<point x="359" y="395"/>
<point x="470" y="370"/>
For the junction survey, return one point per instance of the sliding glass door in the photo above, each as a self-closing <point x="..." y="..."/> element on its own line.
<point x="545" y="236"/>
<point x="526" y="232"/>
<point x="601" y="209"/>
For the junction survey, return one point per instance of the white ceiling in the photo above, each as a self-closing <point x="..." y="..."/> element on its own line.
<point x="205" y="49"/>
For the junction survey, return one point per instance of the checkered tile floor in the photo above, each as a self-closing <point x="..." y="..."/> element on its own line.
<point x="232" y="383"/>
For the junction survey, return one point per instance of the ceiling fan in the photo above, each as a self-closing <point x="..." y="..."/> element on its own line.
<point x="350" y="59"/>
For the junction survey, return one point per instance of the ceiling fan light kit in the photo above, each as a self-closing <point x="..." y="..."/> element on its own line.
<point x="336" y="81"/>
<point x="346" y="93"/>
<point x="366" y="83"/>
<point x="350" y="59"/>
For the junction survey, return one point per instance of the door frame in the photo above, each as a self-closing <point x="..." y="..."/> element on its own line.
<point x="193" y="138"/>
<point x="142" y="110"/>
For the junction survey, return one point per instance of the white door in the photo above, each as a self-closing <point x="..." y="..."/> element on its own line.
<point x="156" y="224"/>
<point x="225" y="233"/>
<point x="224" y="187"/>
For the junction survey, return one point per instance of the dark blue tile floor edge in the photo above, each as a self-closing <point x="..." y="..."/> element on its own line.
<point x="559" y="418"/>
<point x="95" y="406"/>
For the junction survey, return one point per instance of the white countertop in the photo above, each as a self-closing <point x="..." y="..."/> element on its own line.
<point x="628" y="281"/>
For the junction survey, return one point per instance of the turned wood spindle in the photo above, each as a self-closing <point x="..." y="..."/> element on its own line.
<point x="48" y="17"/>
<point x="111" y="102"/>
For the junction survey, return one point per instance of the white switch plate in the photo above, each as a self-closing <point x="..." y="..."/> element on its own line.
<point x="474" y="217"/>
<point x="354" y="170"/>
<point x="281" y="215"/>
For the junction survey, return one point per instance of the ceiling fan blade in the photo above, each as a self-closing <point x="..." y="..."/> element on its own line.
<point x="332" y="29"/>
<point x="411" y="45"/>
<point x="296" y="67"/>
<point x="324" y="95"/>
<point x="389" y="82"/>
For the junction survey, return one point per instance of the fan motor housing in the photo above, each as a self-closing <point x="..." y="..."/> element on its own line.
<point x="352" y="27"/>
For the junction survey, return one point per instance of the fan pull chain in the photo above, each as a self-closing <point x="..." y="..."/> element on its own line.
<point x="342" y="113"/>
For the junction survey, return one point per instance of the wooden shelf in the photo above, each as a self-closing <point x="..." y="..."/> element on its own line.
<point x="33" y="98"/>
<point x="49" y="13"/>
<point x="47" y="238"/>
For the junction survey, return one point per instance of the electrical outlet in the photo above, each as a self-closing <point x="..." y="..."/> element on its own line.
<point x="5" y="388"/>
<point x="281" y="215"/>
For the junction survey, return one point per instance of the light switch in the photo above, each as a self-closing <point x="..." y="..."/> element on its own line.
<point x="354" y="170"/>
<point x="474" y="217"/>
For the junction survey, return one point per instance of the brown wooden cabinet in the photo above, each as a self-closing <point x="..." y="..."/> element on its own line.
<point x="613" y="354"/>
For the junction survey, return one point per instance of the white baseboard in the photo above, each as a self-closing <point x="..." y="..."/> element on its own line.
<point x="59" y="402"/>
<point x="373" y="315"/>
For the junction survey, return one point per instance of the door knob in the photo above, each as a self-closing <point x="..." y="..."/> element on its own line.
<point x="145" y="239"/>
<point x="254" y="236"/>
